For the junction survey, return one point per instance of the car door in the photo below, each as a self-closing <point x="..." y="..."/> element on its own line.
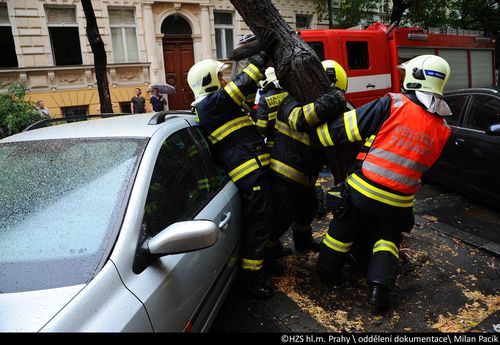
<point x="445" y="169"/>
<point x="478" y="153"/>
<point x="176" y="289"/>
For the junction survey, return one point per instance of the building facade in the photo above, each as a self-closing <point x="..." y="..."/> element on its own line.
<point x="147" y="42"/>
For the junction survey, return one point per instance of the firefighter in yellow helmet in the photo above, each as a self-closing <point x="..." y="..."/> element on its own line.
<point x="403" y="135"/>
<point x="295" y="164"/>
<point x="238" y="147"/>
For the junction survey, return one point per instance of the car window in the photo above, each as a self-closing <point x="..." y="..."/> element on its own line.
<point x="61" y="206"/>
<point x="484" y="111"/>
<point x="218" y="177"/>
<point x="180" y="184"/>
<point x="456" y="104"/>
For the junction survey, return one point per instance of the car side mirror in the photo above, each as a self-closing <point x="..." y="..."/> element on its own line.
<point x="183" y="237"/>
<point x="493" y="129"/>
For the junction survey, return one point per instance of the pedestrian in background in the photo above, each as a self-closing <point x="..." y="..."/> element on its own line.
<point x="157" y="101"/>
<point x="43" y="110"/>
<point x="138" y="103"/>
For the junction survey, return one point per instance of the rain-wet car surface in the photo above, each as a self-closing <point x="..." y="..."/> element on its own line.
<point x="469" y="162"/>
<point x="118" y="224"/>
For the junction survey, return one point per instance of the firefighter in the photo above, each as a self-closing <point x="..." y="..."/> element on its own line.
<point x="295" y="163"/>
<point x="271" y="96"/>
<point x="222" y="113"/>
<point x="403" y="134"/>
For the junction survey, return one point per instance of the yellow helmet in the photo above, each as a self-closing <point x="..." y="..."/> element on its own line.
<point x="427" y="73"/>
<point x="203" y="77"/>
<point x="336" y="74"/>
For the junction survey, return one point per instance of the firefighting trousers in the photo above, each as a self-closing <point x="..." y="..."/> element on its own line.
<point x="292" y="203"/>
<point x="379" y="236"/>
<point x="257" y="222"/>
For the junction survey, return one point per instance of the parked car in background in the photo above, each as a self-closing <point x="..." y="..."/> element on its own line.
<point x="470" y="162"/>
<point x="117" y="224"/>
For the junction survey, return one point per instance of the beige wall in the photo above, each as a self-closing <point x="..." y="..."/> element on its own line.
<point x="56" y="84"/>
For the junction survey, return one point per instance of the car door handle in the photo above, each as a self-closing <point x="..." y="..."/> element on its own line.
<point x="225" y="221"/>
<point x="459" y="142"/>
<point x="370" y="85"/>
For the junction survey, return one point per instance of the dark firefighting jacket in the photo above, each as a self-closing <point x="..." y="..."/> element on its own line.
<point x="269" y="102"/>
<point x="293" y="156"/>
<point x="237" y="144"/>
<point x="401" y="141"/>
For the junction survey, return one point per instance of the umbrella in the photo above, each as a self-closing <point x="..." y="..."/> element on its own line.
<point x="164" y="88"/>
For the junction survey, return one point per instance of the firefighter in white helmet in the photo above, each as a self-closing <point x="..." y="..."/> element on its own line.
<point x="295" y="163"/>
<point x="403" y="135"/>
<point x="222" y="113"/>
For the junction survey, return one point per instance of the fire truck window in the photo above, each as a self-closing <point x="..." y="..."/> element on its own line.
<point x="357" y="55"/>
<point x="318" y="49"/>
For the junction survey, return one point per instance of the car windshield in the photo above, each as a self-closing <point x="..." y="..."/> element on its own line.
<point x="61" y="205"/>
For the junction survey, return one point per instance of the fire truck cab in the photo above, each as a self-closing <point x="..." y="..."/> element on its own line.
<point x="370" y="57"/>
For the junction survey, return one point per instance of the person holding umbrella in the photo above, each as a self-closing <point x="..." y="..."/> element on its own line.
<point x="157" y="101"/>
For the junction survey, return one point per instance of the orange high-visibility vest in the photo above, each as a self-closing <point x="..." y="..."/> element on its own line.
<point x="408" y="143"/>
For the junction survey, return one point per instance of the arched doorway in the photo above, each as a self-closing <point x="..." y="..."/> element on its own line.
<point x="178" y="57"/>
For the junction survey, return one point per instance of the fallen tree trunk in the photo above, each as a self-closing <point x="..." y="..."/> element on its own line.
<point x="297" y="67"/>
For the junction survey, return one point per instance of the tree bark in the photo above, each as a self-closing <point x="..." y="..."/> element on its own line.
<point x="297" y="67"/>
<point x="100" y="60"/>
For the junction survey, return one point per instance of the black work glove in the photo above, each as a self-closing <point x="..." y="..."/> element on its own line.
<point x="261" y="61"/>
<point x="332" y="102"/>
<point x="268" y="40"/>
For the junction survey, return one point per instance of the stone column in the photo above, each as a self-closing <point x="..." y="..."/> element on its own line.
<point x="150" y="38"/>
<point x="206" y="37"/>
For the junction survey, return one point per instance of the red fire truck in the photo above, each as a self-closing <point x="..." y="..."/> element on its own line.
<point x="370" y="57"/>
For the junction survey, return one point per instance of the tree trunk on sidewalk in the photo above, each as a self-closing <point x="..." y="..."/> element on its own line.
<point x="297" y="67"/>
<point x="100" y="60"/>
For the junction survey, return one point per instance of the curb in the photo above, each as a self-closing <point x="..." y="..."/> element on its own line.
<point x="476" y="241"/>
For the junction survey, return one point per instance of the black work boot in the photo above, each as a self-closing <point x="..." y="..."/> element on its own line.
<point x="255" y="285"/>
<point x="329" y="266"/>
<point x="275" y="249"/>
<point x="378" y="298"/>
<point x="303" y="240"/>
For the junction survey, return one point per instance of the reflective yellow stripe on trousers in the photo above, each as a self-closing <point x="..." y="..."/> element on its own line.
<point x="252" y="265"/>
<point x="250" y="165"/>
<point x="388" y="246"/>
<point x="336" y="245"/>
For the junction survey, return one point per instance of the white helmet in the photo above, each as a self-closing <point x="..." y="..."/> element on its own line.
<point x="428" y="73"/>
<point x="203" y="77"/>
<point x="336" y="74"/>
<point x="270" y="77"/>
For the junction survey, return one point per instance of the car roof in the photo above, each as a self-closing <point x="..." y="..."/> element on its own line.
<point x="139" y="125"/>
<point x="493" y="90"/>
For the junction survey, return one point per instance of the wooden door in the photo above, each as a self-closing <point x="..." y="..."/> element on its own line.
<point x="178" y="57"/>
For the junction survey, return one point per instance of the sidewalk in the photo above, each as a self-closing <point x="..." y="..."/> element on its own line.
<point x="445" y="285"/>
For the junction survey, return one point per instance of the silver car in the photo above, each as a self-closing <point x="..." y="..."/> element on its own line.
<point x="118" y="224"/>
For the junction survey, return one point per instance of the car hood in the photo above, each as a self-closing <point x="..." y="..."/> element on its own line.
<point x="29" y="311"/>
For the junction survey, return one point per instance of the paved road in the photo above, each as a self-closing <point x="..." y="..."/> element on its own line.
<point x="449" y="280"/>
